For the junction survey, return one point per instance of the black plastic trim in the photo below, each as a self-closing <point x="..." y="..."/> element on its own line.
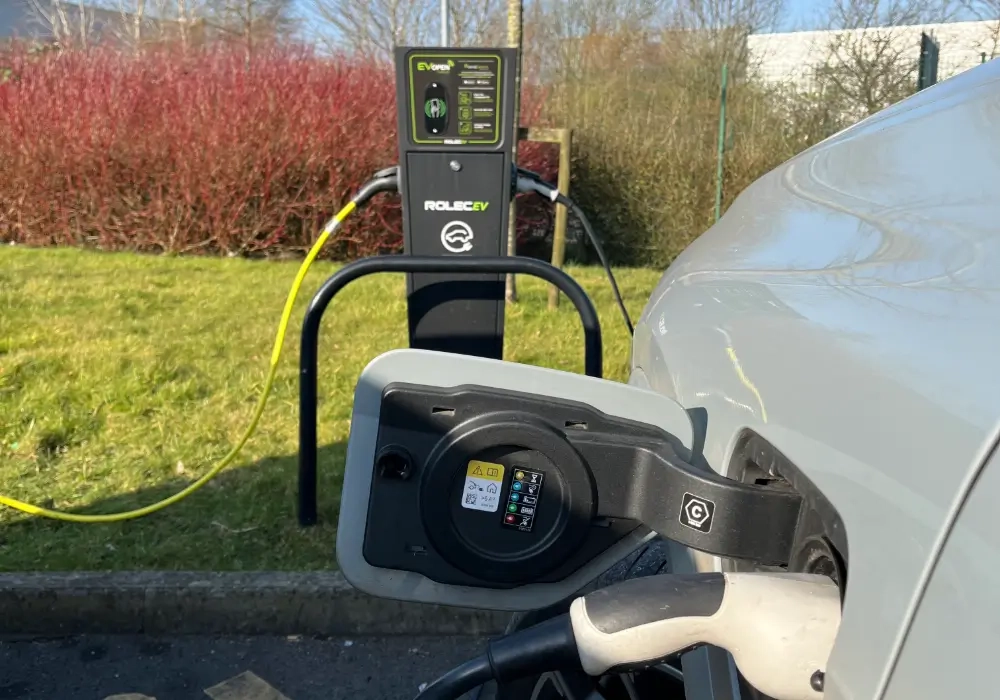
<point x="820" y="527"/>
<point x="642" y="601"/>
<point x="647" y="481"/>
<point x="459" y="265"/>
<point x="604" y="476"/>
<point x="548" y="548"/>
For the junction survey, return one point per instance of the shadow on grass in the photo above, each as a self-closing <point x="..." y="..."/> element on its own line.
<point x="245" y="519"/>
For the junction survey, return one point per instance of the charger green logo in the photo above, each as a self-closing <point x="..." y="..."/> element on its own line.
<point x="455" y="206"/>
<point x="439" y="67"/>
<point x="435" y="108"/>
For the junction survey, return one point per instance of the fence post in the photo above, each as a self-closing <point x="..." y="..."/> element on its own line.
<point x="927" y="72"/>
<point x="515" y="28"/>
<point x="722" y="142"/>
<point x="559" y="233"/>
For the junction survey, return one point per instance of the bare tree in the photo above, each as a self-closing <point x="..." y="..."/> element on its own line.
<point x="140" y="22"/>
<point x="988" y="11"/>
<point x="251" y="21"/>
<point x="477" y="23"/>
<point x="67" y="23"/>
<point x="718" y="29"/>
<point x="568" y="40"/>
<point x="373" y="28"/>
<point x="872" y="60"/>
<point x="748" y="15"/>
<point x="187" y="14"/>
<point x="136" y="19"/>
<point x="575" y="40"/>
<point x="85" y="23"/>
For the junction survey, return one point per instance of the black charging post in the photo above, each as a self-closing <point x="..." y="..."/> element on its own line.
<point x="456" y="178"/>
<point x="456" y="134"/>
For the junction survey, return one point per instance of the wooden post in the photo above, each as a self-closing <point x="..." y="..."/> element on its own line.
<point x="559" y="233"/>
<point x="514" y="26"/>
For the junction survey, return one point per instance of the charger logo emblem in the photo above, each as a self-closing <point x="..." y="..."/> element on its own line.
<point x="435" y="108"/>
<point x="439" y="67"/>
<point x="697" y="513"/>
<point x="456" y="237"/>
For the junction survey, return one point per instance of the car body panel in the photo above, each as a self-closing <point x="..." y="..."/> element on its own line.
<point x="847" y="309"/>
<point x="949" y="650"/>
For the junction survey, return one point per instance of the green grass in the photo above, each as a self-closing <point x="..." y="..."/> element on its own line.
<point x="122" y="378"/>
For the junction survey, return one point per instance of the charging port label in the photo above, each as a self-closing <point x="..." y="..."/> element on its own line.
<point x="522" y="501"/>
<point x="482" y="486"/>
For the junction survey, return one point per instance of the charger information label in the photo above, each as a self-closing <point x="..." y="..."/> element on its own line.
<point x="522" y="501"/>
<point x="482" y="486"/>
<point x="455" y="97"/>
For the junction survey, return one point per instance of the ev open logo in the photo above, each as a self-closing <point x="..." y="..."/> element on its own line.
<point x="456" y="237"/>
<point x="697" y="513"/>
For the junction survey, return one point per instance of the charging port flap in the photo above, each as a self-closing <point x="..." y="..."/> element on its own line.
<point x="481" y="483"/>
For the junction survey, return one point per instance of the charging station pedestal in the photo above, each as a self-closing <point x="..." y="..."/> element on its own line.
<point x="456" y="179"/>
<point x="456" y="135"/>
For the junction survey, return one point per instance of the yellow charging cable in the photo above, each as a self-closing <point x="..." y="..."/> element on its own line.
<point x="279" y="342"/>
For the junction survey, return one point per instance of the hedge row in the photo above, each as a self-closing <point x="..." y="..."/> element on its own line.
<point x="197" y="152"/>
<point x="646" y="147"/>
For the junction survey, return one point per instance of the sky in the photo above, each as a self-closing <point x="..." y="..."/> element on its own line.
<point x="799" y="14"/>
<point x="808" y="14"/>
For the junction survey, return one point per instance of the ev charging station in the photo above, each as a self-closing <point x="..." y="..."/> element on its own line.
<point x="455" y="177"/>
<point x="472" y="482"/>
<point x="456" y="136"/>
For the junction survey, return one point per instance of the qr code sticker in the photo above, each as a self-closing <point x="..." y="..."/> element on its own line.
<point x="470" y="498"/>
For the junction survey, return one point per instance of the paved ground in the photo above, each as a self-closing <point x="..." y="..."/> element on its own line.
<point x="228" y="668"/>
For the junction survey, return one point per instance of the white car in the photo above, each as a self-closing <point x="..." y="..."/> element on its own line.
<point x="795" y="495"/>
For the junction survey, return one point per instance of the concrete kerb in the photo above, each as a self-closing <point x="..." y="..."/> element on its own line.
<point x="316" y="603"/>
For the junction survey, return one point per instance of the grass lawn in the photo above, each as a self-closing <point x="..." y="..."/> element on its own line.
<point x="124" y="377"/>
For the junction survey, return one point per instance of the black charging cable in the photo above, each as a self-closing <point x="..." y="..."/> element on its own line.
<point x="547" y="646"/>
<point x="383" y="181"/>
<point x="528" y="181"/>
<point x="392" y="171"/>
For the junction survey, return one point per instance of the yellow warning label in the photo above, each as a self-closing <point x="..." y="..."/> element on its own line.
<point x="485" y="470"/>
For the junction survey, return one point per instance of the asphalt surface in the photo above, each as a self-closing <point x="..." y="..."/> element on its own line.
<point x="226" y="668"/>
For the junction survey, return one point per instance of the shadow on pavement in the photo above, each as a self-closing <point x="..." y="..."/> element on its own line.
<point x="229" y="668"/>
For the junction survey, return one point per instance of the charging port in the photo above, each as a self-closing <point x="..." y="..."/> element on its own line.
<point x="394" y="462"/>
<point x="515" y="488"/>
<point x="820" y="542"/>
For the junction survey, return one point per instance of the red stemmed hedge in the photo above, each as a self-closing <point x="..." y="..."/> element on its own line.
<point x="198" y="151"/>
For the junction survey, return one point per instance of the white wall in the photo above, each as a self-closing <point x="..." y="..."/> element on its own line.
<point x="793" y="56"/>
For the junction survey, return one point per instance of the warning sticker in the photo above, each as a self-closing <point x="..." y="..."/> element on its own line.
<point x="482" y="486"/>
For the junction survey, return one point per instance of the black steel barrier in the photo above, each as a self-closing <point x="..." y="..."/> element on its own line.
<point x="308" y="360"/>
